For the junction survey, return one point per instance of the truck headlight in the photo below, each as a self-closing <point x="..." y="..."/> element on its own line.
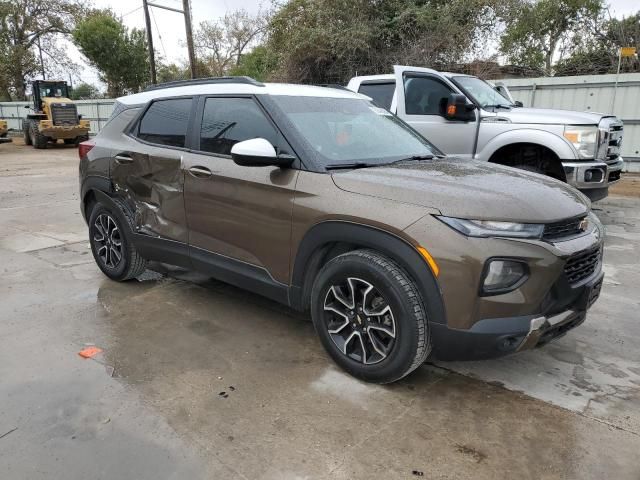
<point x="583" y="138"/>
<point x="503" y="275"/>
<point x="490" y="228"/>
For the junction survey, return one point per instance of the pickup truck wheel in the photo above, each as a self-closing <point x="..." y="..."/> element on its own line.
<point x="115" y="255"/>
<point x="26" y="131"/>
<point x="37" y="139"/>
<point x="370" y="317"/>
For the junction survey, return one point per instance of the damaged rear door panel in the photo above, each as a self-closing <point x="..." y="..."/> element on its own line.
<point x="148" y="173"/>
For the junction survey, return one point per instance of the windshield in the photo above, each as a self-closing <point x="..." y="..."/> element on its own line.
<point x="352" y="130"/>
<point x="52" y="90"/>
<point x="483" y="93"/>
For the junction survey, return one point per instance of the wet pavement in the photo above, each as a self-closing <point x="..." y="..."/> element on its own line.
<point x="201" y="380"/>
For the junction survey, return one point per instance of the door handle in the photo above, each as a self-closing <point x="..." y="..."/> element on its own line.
<point x="200" y="172"/>
<point x="123" y="159"/>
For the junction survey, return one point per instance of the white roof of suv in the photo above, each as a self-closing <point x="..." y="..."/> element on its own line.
<point x="238" y="88"/>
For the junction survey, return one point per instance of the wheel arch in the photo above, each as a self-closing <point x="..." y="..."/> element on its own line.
<point x="528" y="152"/>
<point x="331" y="238"/>
<point x="94" y="189"/>
<point x="552" y="143"/>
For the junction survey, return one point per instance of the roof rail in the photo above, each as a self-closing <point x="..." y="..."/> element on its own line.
<point x="205" y="81"/>
<point x="333" y="85"/>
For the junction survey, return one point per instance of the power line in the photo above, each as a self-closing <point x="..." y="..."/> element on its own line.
<point x="159" y="34"/>
<point x="132" y="11"/>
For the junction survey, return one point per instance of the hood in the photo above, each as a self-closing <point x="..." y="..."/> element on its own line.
<point x="469" y="189"/>
<point x="550" y="116"/>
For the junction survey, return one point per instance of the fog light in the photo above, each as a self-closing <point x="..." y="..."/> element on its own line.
<point x="501" y="276"/>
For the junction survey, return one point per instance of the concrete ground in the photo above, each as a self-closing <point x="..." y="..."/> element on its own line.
<point x="200" y="380"/>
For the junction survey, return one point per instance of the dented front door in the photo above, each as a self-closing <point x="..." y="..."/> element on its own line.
<point x="151" y="181"/>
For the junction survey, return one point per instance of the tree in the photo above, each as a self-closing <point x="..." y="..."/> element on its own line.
<point x="120" y="55"/>
<point x="539" y="31"/>
<point x="259" y="63"/>
<point x="28" y="27"/>
<point x="84" y="91"/>
<point x="598" y="49"/>
<point x="221" y="44"/>
<point x="328" y="41"/>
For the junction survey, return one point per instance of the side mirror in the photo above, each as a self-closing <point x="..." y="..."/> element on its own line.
<point x="258" y="152"/>
<point x="518" y="103"/>
<point x="457" y="108"/>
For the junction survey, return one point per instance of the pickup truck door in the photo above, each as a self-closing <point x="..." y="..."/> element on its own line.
<point x="419" y="93"/>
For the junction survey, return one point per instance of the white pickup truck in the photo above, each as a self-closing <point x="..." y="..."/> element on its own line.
<point x="466" y="117"/>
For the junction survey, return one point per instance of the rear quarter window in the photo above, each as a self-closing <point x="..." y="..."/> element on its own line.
<point x="166" y="122"/>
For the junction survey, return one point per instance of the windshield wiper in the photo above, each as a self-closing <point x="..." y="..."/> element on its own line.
<point x="346" y="166"/>
<point x="507" y="107"/>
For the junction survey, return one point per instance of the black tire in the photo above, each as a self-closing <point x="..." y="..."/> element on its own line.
<point x="80" y="139"/>
<point x="397" y="355"/>
<point x="37" y="138"/>
<point x="26" y="131"/>
<point x="130" y="264"/>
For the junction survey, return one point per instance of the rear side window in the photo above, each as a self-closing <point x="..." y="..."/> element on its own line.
<point x="227" y="121"/>
<point x="166" y="122"/>
<point x="424" y="95"/>
<point x="380" y="93"/>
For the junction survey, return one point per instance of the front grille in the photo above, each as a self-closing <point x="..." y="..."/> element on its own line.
<point x="64" y="114"/>
<point x="564" y="228"/>
<point x="615" y="142"/>
<point x="582" y="265"/>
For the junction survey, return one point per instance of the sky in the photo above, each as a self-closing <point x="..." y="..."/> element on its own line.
<point x="168" y="27"/>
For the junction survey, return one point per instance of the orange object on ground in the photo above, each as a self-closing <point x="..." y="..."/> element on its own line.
<point x="89" y="352"/>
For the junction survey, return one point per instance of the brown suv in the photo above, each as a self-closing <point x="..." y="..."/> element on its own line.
<point x="318" y="199"/>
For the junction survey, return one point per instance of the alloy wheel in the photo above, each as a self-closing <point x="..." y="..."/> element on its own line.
<point x="359" y="321"/>
<point x="108" y="241"/>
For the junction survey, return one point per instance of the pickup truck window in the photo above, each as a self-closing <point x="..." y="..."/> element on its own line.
<point x="481" y="92"/>
<point x="423" y="95"/>
<point x="352" y="130"/>
<point x="380" y="92"/>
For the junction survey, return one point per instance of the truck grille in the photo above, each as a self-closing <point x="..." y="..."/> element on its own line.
<point x="582" y="265"/>
<point x="615" y="142"/>
<point x="564" y="228"/>
<point x="64" y="114"/>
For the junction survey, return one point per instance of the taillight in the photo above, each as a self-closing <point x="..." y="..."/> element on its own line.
<point x="85" y="147"/>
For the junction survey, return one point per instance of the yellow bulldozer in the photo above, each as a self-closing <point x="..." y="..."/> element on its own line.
<point x="54" y="116"/>
<point x="3" y="132"/>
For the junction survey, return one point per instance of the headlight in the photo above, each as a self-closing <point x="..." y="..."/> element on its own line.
<point x="489" y="228"/>
<point x="502" y="275"/>
<point x="583" y="138"/>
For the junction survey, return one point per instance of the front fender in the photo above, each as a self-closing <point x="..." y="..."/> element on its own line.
<point x="559" y="145"/>
<point x="393" y="246"/>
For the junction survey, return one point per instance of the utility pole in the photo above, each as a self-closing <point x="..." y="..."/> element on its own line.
<point x="152" y="59"/>
<point x="41" y="60"/>
<point x="187" y="26"/>
<point x="186" y="11"/>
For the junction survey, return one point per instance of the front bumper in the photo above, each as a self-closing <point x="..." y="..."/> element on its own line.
<point x="492" y="338"/>
<point x="64" y="132"/>
<point x="594" y="174"/>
